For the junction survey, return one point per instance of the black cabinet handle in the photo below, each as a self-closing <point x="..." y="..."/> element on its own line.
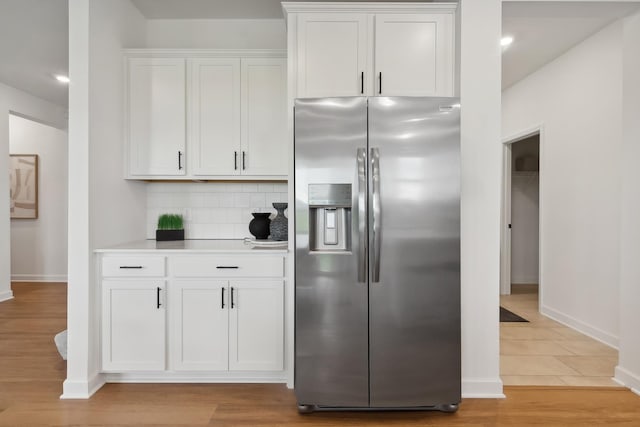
<point x="380" y="82"/>
<point x="131" y="267"/>
<point x="232" y="303"/>
<point x="227" y="266"/>
<point x="361" y="82"/>
<point x="235" y="160"/>
<point x="222" y="297"/>
<point x="158" y="289"/>
<point x="179" y="160"/>
<point x="244" y="155"/>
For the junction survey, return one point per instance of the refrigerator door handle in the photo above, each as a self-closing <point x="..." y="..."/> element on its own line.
<point x="362" y="214"/>
<point x="377" y="214"/>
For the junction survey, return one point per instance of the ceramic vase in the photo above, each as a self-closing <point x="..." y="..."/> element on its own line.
<point x="279" y="224"/>
<point x="259" y="225"/>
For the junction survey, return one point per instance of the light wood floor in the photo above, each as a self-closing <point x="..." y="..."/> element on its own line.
<point x="545" y="352"/>
<point x="31" y="375"/>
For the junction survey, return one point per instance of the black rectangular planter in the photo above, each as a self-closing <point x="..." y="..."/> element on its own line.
<point x="167" y="235"/>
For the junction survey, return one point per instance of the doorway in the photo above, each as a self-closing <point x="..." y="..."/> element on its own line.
<point x="521" y="211"/>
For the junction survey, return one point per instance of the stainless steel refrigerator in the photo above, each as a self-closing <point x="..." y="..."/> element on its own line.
<point x="377" y="244"/>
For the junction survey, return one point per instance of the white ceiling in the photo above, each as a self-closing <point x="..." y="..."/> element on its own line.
<point x="221" y="9"/>
<point x="542" y="31"/>
<point x="34" y="45"/>
<point x="34" y="33"/>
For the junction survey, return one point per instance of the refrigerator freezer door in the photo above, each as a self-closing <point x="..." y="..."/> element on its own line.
<point x="415" y="306"/>
<point x="331" y="333"/>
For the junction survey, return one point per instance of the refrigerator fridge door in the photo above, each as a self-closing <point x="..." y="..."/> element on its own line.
<point x="414" y="212"/>
<point x="331" y="332"/>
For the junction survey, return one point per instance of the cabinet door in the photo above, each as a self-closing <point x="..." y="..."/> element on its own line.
<point x="214" y="116"/>
<point x="256" y="331"/>
<point x="414" y="55"/>
<point x="332" y="54"/>
<point x="133" y="325"/>
<point x="199" y="319"/>
<point x="156" y="116"/>
<point x="264" y="117"/>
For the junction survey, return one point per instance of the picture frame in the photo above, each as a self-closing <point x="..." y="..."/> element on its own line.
<point x="23" y="182"/>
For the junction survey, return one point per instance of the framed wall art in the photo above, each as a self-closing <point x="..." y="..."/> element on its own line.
<point x="23" y="178"/>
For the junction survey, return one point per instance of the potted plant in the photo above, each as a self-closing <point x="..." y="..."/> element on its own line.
<point x="170" y="227"/>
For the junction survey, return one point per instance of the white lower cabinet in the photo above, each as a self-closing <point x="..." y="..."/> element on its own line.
<point x="227" y="325"/>
<point x="199" y="325"/>
<point x="212" y="315"/>
<point x="256" y="330"/>
<point x="133" y="325"/>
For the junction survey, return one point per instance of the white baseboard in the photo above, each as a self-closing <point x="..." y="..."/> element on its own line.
<point x="81" y="389"/>
<point x="627" y="379"/>
<point x="39" y="278"/>
<point x="7" y="295"/>
<point x="595" y="333"/>
<point x="483" y="388"/>
<point x="524" y="281"/>
<point x="195" y="377"/>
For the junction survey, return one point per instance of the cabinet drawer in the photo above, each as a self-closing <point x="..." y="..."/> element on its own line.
<point x="133" y="266"/>
<point x="221" y="266"/>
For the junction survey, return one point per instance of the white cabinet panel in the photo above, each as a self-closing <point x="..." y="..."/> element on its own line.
<point x="414" y="54"/>
<point x="256" y="333"/>
<point x="133" y="266"/>
<point x="332" y="54"/>
<point x="264" y="117"/>
<point x="226" y="266"/>
<point x="156" y="116"/>
<point x="133" y="325"/>
<point x="214" y="116"/>
<point x="199" y="325"/>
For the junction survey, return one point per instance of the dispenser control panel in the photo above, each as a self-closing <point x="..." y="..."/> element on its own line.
<point x="330" y="217"/>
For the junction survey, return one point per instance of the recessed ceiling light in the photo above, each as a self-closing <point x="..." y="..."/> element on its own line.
<point x="506" y="41"/>
<point x="62" y="79"/>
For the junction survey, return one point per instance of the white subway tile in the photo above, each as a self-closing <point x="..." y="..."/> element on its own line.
<point x="265" y="188"/>
<point x="257" y="200"/>
<point x="226" y="231"/>
<point x="242" y="200"/>
<point x="240" y="231"/>
<point x="226" y="200"/>
<point x="249" y="188"/>
<point x="234" y="215"/>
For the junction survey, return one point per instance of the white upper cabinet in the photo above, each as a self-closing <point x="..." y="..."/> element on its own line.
<point x="373" y="49"/>
<point x="214" y="116"/>
<point x="156" y="120"/>
<point x="332" y="54"/>
<point x="414" y="54"/>
<point x="264" y="117"/>
<point x="206" y="114"/>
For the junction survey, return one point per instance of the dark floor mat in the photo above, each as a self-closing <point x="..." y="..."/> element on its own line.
<point x="508" y="316"/>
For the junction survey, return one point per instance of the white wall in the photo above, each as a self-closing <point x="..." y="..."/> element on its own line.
<point x="39" y="246"/>
<point x="217" y="33"/>
<point x="481" y="161"/>
<point x="104" y="209"/>
<point x="578" y="99"/>
<point x="21" y="103"/>
<point x="628" y="369"/>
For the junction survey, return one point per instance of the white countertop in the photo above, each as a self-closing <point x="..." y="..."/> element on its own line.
<point x="185" y="246"/>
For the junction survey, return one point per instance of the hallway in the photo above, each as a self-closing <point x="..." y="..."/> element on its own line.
<point x="545" y="352"/>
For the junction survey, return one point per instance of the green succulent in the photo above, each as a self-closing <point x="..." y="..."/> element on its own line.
<point x="170" y="222"/>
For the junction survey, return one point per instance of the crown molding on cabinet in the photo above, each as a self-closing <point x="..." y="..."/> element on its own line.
<point x="205" y="53"/>
<point x="362" y="7"/>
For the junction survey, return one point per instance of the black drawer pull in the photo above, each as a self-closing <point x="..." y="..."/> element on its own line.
<point x="222" y="297"/>
<point x="228" y="266"/>
<point x="232" y="302"/>
<point x="131" y="267"/>
<point x="158" y="289"/>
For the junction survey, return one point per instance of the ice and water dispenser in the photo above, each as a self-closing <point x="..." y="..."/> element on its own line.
<point x="330" y="217"/>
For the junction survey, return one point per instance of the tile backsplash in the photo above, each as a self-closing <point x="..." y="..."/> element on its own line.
<point x="212" y="210"/>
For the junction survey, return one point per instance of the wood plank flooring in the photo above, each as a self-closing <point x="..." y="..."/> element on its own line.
<point x="31" y="375"/>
